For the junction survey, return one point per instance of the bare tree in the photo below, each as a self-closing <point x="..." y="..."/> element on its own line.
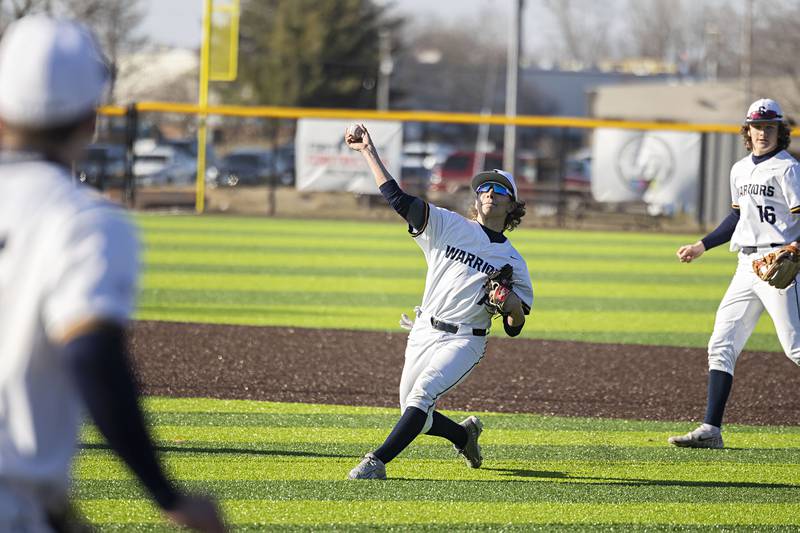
<point x="115" y="22"/>
<point x="656" y="28"/>
<point x="11" y="10"/>
<point x="586" y="32"/>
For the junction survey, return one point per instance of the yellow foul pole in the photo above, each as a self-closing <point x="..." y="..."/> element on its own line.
<point x="203" y="104"/>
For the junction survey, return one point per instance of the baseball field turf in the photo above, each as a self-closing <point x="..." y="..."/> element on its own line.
<point x="282" y="466"/>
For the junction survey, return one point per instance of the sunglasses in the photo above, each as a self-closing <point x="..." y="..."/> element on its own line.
<point x="496" y="187"/>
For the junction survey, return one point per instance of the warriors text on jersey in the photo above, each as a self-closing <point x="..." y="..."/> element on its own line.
<point x="460" y="255"/>
<point x="768" y="197"/>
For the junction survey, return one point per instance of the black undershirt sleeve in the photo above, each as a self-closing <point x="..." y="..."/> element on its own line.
<point x="723" y="232"/>
<point x="99" y="363"/>
<point x="407" y="206"/>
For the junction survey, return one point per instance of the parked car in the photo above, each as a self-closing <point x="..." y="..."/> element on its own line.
<point x="103" y="166"/>
<point x="419" y="160"/>
<point x="455" y="173"/>
<point x="253" y="166"/>
<point x="164" y="165"/>
<point x="285" y="165"/>
<point x="241" y="167"/>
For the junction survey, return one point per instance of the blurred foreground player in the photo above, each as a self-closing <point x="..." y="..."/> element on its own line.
<point x="68" y="272"/>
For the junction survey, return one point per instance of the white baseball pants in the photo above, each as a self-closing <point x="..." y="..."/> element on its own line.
<point x="435" y="362"/>
<point x="746" y="298"/>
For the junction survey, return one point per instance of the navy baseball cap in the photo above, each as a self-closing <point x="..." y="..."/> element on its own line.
<point x="498" y="176"/>
<point x="764" y="110"/>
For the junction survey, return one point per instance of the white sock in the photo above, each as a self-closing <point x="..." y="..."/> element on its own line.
<point x="709" y="427"/>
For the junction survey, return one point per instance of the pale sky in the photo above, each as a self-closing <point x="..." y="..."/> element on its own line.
<point x="178" y="22"/>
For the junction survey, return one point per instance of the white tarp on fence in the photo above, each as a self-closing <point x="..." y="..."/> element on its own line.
<point x="325" y="163"/>
<point x="660" y="168"/>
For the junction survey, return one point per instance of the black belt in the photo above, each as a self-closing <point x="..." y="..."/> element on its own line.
<point x="453" y="328"/>
<point x="748" y="250"/>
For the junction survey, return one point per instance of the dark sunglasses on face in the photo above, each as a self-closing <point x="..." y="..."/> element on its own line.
<point x="490" y="185"/>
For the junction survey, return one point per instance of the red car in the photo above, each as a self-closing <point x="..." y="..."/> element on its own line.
<point x="455" y="173"/>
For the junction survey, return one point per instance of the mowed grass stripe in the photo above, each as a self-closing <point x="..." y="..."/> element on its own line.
<point x="273" y="268"/>
<point x="269" y="467"/>
<point x="619" y="289"/>
<point x="520" y="421"/>
<point x="361" y="295"/>
<point x="227" y="225"/>
<point x="412" y="258"/>
<point x="386" y="420"/>
<point x="397" y="298"/>
<point x="452" y="527"/>
<point x="443" y="451"/>
<point x="541" y="255"/>
<point x="310" y="434"/>
<point x="467" y="491"/>
<point x="312" y="512"/>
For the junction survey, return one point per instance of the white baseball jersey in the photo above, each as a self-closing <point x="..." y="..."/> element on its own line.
<point x="460" y="256"/>
<point x="768" y="197"/>
<point x="66" y="257"/>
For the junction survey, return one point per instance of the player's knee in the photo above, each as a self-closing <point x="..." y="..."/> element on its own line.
<point x="722" y="360"/>
<point x="419" y="398"/>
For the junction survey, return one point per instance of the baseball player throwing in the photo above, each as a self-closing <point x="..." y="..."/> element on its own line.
<point x="68" y="268"/>
<point x="463" y="290"/>
<point x="765" y="191"/>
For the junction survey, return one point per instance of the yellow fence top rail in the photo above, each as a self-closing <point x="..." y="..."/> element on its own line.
<point x="419" y="116"/>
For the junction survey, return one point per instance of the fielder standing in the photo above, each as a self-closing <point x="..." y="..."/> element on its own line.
<point x="68" y="273"/>
<point x="765" y="191"/>
<point x="448" y="338"/>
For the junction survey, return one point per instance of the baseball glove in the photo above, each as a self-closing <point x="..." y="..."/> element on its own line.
<point x="498" y="285"/>
<point x="779" y="268"/>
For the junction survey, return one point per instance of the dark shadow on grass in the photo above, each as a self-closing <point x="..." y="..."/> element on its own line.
<point x="522" y="472"/>
<point x="232" y="451"/>
<point x="628" y="482"/>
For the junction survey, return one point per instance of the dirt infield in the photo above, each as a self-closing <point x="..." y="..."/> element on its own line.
<point x="517" y="375"/>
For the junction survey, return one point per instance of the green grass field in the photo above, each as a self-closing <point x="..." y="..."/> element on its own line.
<point x="589" y="286"/>
<point x="283" y="466"/>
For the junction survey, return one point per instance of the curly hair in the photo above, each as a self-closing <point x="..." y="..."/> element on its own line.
<point x="513" y="218"/>
<point x="784" y="136"/>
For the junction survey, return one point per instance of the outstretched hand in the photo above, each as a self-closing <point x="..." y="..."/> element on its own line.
<point x="357" y="137"/>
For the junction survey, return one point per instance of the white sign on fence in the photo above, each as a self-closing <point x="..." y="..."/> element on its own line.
<point x="660" y="168"/>
<point x="325" y="163"/>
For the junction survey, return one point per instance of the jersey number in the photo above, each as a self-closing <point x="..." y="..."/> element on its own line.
<point x="767" y="213"/>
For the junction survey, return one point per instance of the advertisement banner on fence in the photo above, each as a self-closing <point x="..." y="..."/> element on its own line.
<point x="660" y="168"/>
<point x="325" y="163"/>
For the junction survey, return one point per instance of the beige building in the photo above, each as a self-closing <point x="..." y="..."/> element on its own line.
<point x="719" y="102"/>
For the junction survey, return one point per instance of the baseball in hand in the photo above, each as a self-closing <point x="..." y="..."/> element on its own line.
<point x="355" y="131"/>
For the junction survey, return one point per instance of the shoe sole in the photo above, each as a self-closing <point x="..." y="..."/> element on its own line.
<point x="696" y="444"/>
